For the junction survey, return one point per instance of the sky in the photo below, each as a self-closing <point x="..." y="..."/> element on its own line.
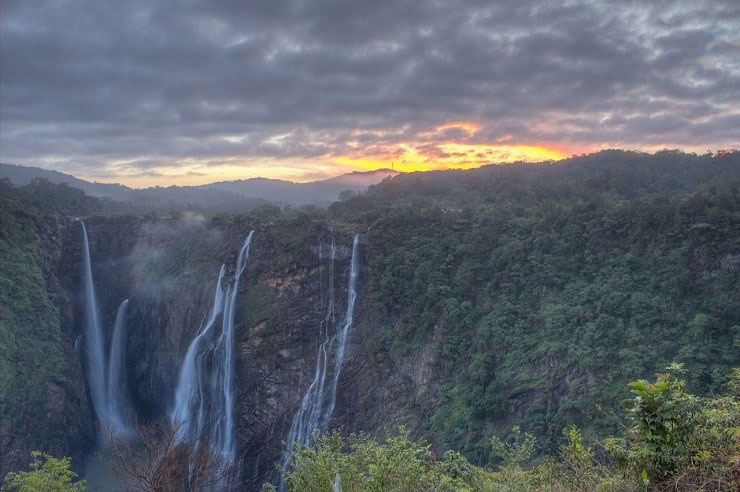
<point x="194" y="91"/>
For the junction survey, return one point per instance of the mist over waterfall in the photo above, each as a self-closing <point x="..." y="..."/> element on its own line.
<point x="204" y="397"/>
<point x="314" y="412"/>
<point x="93" y="338"/>
<point x="118" y="417"/>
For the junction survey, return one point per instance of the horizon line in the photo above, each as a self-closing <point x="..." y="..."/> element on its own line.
<point x="716" y="153"/>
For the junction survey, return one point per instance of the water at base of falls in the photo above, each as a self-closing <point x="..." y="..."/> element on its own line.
<point x="204" y="397"/>
<point x="98" y="477"/>
<point x="315" y="412"/>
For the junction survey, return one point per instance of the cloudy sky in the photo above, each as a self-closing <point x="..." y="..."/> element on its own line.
<point x="159" y="92"/>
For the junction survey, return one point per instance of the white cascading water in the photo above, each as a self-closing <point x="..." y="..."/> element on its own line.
<point x="204" y="397"/>
<point x="107" y="381"/>
<point x="93" y="339"/>
<point x="342" y="343"/>
<point x="314" y="414"/>
<point x="118" y="417"/>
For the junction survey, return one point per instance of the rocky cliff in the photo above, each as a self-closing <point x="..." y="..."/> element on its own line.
<point x="168" y="271"/>
<point x="44" y="402"/>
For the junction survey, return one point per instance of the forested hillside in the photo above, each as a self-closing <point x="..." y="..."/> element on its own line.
<point x="543" y="289"/>
<point x="539" y="314"/>
<point x="516" y="295"/>
<point x="41" y="387"/>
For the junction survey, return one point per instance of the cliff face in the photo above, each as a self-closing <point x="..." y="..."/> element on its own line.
<point x="46" y="405"/>
<point x="168" y="271"/>
<point x="279" y="334"/>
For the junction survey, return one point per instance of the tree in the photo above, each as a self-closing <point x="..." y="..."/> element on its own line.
<point x="678" y="441"/>
<point x="663" y="417"/>
<point x="347" y="195"/>
<point x="515" y="453"/>
<point x="47" y="473"/>
<point x="157" y="460"/>
<point x="361" y="464"/>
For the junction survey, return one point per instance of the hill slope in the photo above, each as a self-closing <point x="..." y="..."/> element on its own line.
<point x="317" y="192"/>
<point x="237" y="195"/>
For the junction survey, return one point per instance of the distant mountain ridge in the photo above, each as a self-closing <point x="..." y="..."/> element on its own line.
<point x="249" y="192"/>
<point x="22" y="175"/>
<point x="319" y="192"/>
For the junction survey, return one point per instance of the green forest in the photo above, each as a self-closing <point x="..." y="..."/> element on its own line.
<point x="540" y="292"/>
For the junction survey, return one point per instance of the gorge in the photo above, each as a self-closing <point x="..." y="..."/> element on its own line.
<point x="456" y="304"/>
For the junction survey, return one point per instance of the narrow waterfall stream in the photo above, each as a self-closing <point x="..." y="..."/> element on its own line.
<point x="343" y="334"/>
<point x="118" y="408"/>
<point x="310" y="414"/>
<point x="314" y="414"/>
<point x="93" y="338"/>
<point x="204" y="397"/>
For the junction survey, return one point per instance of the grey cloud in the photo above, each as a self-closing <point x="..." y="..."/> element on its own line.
<point x="157" y="83"/>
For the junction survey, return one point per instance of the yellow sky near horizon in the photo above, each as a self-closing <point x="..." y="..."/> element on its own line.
<point x="405" y="159"/>
<point x="453" y="156"/>
<point x="453" y="145"/>
<point x="447" y="146"/>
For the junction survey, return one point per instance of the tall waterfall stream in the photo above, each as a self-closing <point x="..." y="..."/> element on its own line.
<point x="204" y="397"/>
<point x="317" y="405"/>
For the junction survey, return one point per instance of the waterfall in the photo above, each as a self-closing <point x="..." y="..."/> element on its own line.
<point x="107" y="381"/>
<point x="204" y="397"/>
<point x="351" y="296"/>
<point x="118" y="417"/>
<point x="309" y="415"/>
<point x="93" y="339"/>
<point x="314" y="414"/>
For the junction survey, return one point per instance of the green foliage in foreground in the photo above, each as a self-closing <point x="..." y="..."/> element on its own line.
<point x="362" y="464"/>
<point x="47" y="473"/>
<point x="673" y="441"/>
<point x="680" y="441"/>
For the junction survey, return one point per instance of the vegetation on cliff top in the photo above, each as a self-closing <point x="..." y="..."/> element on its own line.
<point x="541" y="291"/>
<point x="538" y="315"/>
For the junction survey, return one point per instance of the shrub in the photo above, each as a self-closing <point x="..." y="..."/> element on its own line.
<point x="46" y="473"/>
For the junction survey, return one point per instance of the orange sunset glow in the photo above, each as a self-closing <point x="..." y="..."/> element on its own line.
<point x="407" y="157"/>
<point x="449" y="146"/>
<point x="451" y="156"/>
